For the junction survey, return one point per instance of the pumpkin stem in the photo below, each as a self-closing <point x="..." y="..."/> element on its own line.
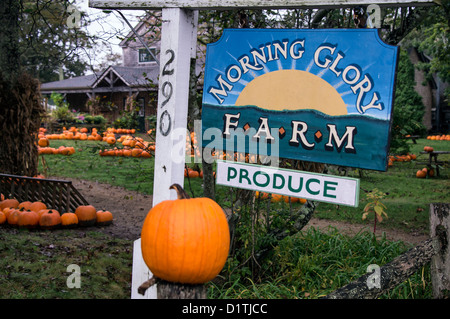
<point x="181" y="193"/>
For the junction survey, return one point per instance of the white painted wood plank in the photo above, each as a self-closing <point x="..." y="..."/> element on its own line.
<point x="178" y="28"/>
<point x="232" y="4"/>
<point x="140" y="274"/>
<point x="177" y="45"/>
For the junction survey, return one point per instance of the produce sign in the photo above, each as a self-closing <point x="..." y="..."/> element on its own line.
<point x="319" y="187"/>
<point x="315" y="95"/>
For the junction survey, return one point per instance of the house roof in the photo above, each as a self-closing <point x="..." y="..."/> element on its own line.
<point x="79" y="82"/>
<point x="130" y="78"/>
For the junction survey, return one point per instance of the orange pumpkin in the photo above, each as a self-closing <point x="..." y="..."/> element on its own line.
<point x="43" y="142"/>
<point x="193" y="174"/>
<point x="25" y="205"/>
<point x="276" y="198"/>
<point x="50" y="219"/>
<point x="69" y="220"/>
<point x="136" y="152"/>
<point x="37" y="206"/>
<point x="104" y="218"/>
<point x="13" y="216"/>
<point x="2" y="218"/>
<point x="421" y="174"/>
<point x="87" y="215"/>
<point x="185" y="240"/>
<point x="146" y="154"/>
<point x="7" y="210"/>
<point x="28" y="219"/>
<point x="10" y="202"/>
<point x="111" y="140"/>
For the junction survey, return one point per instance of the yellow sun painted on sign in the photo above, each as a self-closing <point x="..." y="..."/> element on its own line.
<point x="292" y="90"/>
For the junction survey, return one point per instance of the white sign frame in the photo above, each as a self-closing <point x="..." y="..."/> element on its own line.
<point x="248" y="4"/>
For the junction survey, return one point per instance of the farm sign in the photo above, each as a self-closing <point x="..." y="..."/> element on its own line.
<point x="315" y="95"/>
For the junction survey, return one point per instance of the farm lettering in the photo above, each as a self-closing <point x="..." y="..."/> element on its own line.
<point x="326" y="56"/>
<point x="298" y="136"/>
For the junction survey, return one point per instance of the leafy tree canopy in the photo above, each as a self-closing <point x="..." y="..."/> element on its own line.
<point x="48" y="44"/>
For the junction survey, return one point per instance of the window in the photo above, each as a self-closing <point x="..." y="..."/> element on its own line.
<point x="145" y="56"/>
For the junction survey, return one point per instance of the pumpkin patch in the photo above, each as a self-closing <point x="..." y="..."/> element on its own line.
<point x="32" y="215"/>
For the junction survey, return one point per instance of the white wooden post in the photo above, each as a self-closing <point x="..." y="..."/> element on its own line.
<point x="141" y="273"/>
<point x="178" y="44"/>
<point x="178" y="29"/>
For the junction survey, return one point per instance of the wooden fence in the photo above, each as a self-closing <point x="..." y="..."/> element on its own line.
<point x="56" y="194"/>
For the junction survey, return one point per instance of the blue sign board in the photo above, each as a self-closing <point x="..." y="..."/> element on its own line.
<point x="321" y="95"/>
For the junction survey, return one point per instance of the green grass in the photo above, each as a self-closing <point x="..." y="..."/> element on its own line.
<point x="33" y="265"/>
<point x="313" y="264"/>
<point x="128" y="172"/>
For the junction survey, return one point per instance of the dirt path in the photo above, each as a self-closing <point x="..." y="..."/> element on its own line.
<point x="130" y="208"/>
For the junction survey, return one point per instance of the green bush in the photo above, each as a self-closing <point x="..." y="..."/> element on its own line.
<point x="408" y="107"/>
<point x="99" y="119"/>
<point x="128" y="120"/>
<point x="63" y="114"/>
<point x="89" y="119"/>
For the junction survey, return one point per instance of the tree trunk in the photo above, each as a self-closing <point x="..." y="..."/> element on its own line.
<point x="373" y="285"/>
<point x="20" y="102"/>
<point x="440" y="263"/>
<point x="20" y="116"/>
<point x="170" y="290"/>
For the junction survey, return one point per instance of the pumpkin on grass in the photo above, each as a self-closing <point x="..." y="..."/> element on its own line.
<point x="50" y="219"/>
<point x="13" y="216"/>
<point x="104" y="218"/>
<point x="28" y="219"/>
<point x="2" y="218"/>
<point x="69" y="220"/>
<point x="7" y="210"/>
<point x="87" y="215"/>
<point x="185" y="240"/>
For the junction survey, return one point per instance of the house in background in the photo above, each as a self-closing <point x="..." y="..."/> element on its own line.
<point x="136" y="78"/>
